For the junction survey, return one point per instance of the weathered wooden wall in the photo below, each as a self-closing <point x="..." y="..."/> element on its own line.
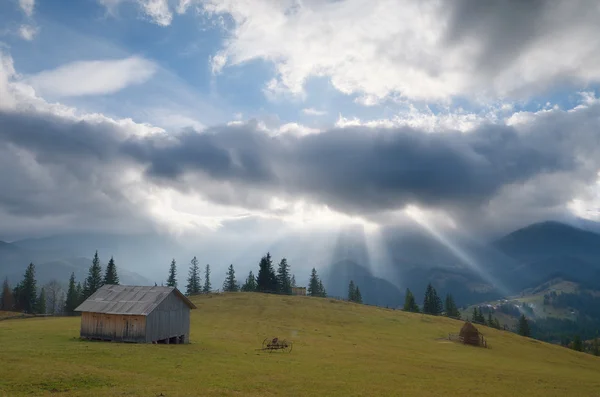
<point x="117" y="327"/>
<point x="170" y="319"/>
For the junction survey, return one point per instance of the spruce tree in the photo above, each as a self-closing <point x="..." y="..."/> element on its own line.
<point x="284" y="282"/>
<point x="451" y="309"/>
<point x="6" y="301"/>
<point x="80" y="292"/>
<point x="577" y="343"/>
<point x="313" y="283"/>
<point x="266" y="280"/>
<point x="410" y="305"/>
<point x="207" y="286"/>
<point x="230" y="284"/>
<point x="94" y="280"/>
<point x="41" y="302"/>
<point x="358" y="296"/>
<point x="437" y="304"/>
<point x="193" y="281"/>
<point x="432" y="304"/>
<point x="250" y="284"/>
<point x="323" y="293"/>
<point x="72" y="300"/>
<point x="27" y="291"/>
<point x="524" y="326"/>
<point x="351" y="291"/>
<point x="172" y="279"/>
<point x="490" y="320"/>
<point x="111" y="277"/>
<point x="293" y="281"/>
<point x="476" y="315"/>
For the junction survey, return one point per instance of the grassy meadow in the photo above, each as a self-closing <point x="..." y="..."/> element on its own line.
<point x="340" y="349"/>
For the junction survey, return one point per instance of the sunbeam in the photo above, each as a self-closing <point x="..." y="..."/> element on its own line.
<point x="422" y="220"/>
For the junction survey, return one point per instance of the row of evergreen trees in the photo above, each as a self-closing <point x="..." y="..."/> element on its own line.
<point x="24" y="297"/>
<point x="268" y="280"/>
<point x="432" y="304"/>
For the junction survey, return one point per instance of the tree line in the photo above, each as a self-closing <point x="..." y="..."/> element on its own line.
<point x="51" y="299"/>
<point x="268" y="279"/>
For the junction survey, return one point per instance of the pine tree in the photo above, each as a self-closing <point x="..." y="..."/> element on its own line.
<point x="6" y="301"/>
<point x="490" y="321"/>
<point x="27" y="291"/>
<point x="477" y="316"/>
<point x="193" y="281"/>
<point x="313" y="283"/>
<point x="230" y="284"/>
<point x="41" y="302"/>
<point x="79" y="292"/>
<point x="577" y="343"/>
<point x="496" y="323"/>
<point x="111" y="277"/>
<point x="432" y="304"/>
<point x="351" y="291"/>
<point x="284" y="282"/>
<point x="358" y="296"/>
<point x="250" y="284"/>
<point x="72" y="300"/>
<point x="172" y="280"/>
<point x="410" y="305"/>
<point x="323" y="293"/>
<point x="451" y="309"/>
<point x="437" y="304"/>
<point x="524" y="326"/>
<point x="266" y="280"/>
<point x="207" y="286"/>
<point x="94" y="280"/>
<point x="293" y="281"/>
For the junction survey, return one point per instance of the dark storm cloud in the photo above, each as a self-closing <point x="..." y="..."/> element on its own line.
<point x="504" y="32"/>
<point x="503" y="28"/>
<point x="357" y="170"/>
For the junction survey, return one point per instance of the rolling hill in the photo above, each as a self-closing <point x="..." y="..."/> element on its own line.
<point x="340" y="349"/>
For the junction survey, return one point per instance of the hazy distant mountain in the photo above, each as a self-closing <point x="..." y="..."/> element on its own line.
<point x="546" y="239"/>
<point x="53" y="264"/>
<point x="551" y="249"/>
<point x="374" y="290"/>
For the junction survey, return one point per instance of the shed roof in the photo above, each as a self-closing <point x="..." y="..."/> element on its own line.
<point x="129" y="299"/>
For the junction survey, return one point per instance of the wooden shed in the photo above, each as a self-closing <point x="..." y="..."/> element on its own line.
<point x="124" y="313"/>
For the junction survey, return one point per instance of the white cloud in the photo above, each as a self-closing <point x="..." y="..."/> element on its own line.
<point x="378" y="49"/>
<point x="27" y="6"/>
<point x="92" y="77"/>
<point x="28" y="32"/>
<point x="217" y="62"/>
<point x="158" y="10"/>
<point x="7" y="73"/>
<point x="183" y="6"/>
<point x="427" y="121"/>
<point x="314" y="112"/>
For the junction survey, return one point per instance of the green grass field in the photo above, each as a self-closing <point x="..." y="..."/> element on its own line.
<point x="340" y="349"/>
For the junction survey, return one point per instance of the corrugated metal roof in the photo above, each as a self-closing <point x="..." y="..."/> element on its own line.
<point x="128" y="299"/>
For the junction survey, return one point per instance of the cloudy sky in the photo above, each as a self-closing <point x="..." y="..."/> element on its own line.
<point x="193" y="116"/>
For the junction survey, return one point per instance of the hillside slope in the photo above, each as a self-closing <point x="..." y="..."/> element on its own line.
<point x="340" y="349"/>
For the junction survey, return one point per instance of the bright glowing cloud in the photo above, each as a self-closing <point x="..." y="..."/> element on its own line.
<point x="92" y="77"/>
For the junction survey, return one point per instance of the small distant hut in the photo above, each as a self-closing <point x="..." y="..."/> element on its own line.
<point x="470" y="335"/>
<point x="138" y="314"/>
<point x="299" y="291"/>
